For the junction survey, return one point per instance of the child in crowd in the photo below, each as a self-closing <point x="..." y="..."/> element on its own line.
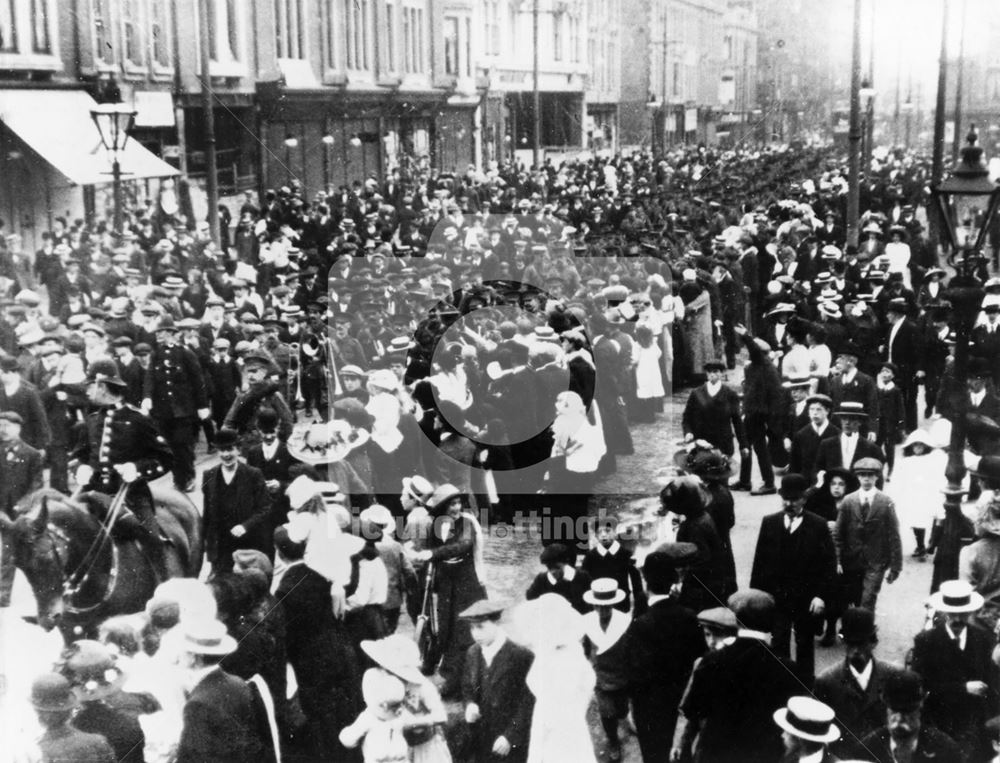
<point x="648" y="379"/>
<point x="890" y="414"/>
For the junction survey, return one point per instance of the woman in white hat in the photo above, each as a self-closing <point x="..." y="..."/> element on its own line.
<point x="919" y="474"/>
<point x="426" y="714"/>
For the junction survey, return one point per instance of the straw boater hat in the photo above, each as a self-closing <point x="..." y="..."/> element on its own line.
<point x="204" y="636"/>
<point x="604" y="592"/>
<point x="956" y="596"/>
<point x="418" y="488"/>
<point x="809" y="719"/>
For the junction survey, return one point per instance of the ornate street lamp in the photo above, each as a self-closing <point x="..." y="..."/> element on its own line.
<point x="114" y="123"/>
<point x="967" y="199"/>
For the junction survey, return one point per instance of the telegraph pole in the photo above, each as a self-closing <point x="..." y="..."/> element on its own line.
<point x="535" y="98"/>
<point x="854" y="134"/>
<point x="959" y="75"/>
<point x="937" y="162"/>
<point x="212" y="178"/>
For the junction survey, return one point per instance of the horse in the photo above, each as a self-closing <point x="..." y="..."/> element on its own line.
<point x="80" y="573"/>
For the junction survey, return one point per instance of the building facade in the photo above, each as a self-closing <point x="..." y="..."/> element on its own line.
<point x="673" y="94"/>
<point x="738" y="81"/>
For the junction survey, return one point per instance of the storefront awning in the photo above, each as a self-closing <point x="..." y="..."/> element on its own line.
<point x="154" y="108"/>
<point x="56" y="124"/>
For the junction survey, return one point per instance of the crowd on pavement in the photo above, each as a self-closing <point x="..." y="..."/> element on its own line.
<point x="390" y="371"/>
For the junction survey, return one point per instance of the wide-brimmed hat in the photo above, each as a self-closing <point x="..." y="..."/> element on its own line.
<point x="325" y="442"/>
<point x="91" y="669"/>
<point x="809" y="719"/>
<point x="709" y="464"/>
<point x="781" y="308"/>
<point x="917" y="437"/>
<point x="441" y="497"/>
<point x="956" y="596"/>
<point x="204" y="636"/>
<point x="684" y="495"/>
<point x="604" y="592"/>
<point x="397" y="654"/>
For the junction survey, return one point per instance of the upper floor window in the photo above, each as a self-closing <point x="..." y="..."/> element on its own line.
<point x="413" y="39"/>
<point x="491" y="37"/>
<point x="40" y="40"/>
<point x="451" y="28"/>
<point x="132" y="32"/>
<point x="289" y="28"/>
<point x="574" y="39"/>
<point x="8" y="27"/>
<point x="389" y="50"/>
<point x="358" y="34"/>
<point x="557" y="36"/>
<point x="104" y="44"/>
<point x="224" y="43"/>
<point x="159" y="34"/>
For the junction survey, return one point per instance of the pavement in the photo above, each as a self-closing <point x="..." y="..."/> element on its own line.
<point x="512" y="562"/>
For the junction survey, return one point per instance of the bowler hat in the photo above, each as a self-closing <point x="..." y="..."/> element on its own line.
<point x="857" y="625"/>
<point x="225" y="438"/>
<point x="904" y="691"/>
<point x="793" y="486"/>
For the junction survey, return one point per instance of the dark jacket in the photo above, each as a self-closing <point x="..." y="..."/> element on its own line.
<point x="224" y="721"/>
<point x="174" y="383"/>
<point x="794" y="568"/>
<point x="134" y="438"/>
<point x="122" y="730"/>
<point x="945" y="670"/>
<point x="861" y="389"/>
<point x="933" y="746"/>
<point x="27" y="402"/>
<point x="859" y="711"/>
<point x="571" y="590"/>
<point x="829" y="456"/>
<point x="715" y="419"/>
<point x="69" y="745"/>
<point x="869" y="542"/>
<point x="504" y="700"/>
<point x="620" y="566"/>
<point x="250" y="506"/>
<point x="733" y="694"/>
<point x="805" y="448"/>
<point x="20" y="473"/>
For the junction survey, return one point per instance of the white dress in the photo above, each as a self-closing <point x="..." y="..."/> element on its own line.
<point x="562" y="681"/>
<point x="917" y="482"/>
<point x="648" y="379"/>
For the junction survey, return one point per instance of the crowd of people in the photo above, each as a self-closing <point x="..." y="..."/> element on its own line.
<point x="389" y="371"/>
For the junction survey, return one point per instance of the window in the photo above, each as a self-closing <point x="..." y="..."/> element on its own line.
<point x="468" y="47"/>
<point x="289" y="33"/>
<point x="491" y="38"/>
<point x="512" y="20"/>
<point x="390" y="37"/>
<point x="331" y="30"/>
<point x="574" y="39"/>
<point x="224" y="44"/>
<point x="413" y="40"/>
<point x="8" y="27"/>
<point x="357" y="34"/>
<point x="675" y="88"/>
<point x="557" y="38"/>
<point x="40" y="42"/>
<point x="104" y="48"/>
<point x="451" y="45"/>
<point x="727" y="48"/>
<point x="159" y="35"/>
<point x="132" y="33"/>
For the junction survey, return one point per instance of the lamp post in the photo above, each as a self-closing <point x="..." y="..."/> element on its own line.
<point x="907" y="109"/>
<point x="114" y="123"/>
<point x="961" y="198"/>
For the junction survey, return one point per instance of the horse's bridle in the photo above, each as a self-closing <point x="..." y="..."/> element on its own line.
<point x="71" y="588"/>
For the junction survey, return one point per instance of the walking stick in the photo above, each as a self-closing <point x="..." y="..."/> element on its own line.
<point x="426" y="630"/>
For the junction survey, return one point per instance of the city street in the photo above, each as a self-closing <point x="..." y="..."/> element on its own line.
<point x="512" y="562"/>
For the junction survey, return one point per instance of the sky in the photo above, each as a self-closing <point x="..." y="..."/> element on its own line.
<point x="907" y="37"/>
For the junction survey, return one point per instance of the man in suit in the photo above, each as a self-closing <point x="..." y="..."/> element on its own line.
<point x="271" y="456"/>
<point x="17" y="395"/>
<point x="174" y="395"/>
<point x="848" y="384"/>
<point x="662" y="645"/>
<point x="904" y="348"/>
<point x="867" y="533"/>
<point x="20" y="473"/>
<point x="224" y="718"/>
<point x="982" y="402"/>
<point x="237" y="507"/>
<point x="795" y="562"/>
<point x="849" y="445"/>
<point x="129" y="369"/>
<point x="498" y="703"/>
<point x="735" y="690"/>
<point x="954" y="660"/>
<point x="322" y="657"/>
<point x="712" y="412"/>
<point x="905" y="735"/>
<point x="855" y="687"/>
<point x="806" y="440"/>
